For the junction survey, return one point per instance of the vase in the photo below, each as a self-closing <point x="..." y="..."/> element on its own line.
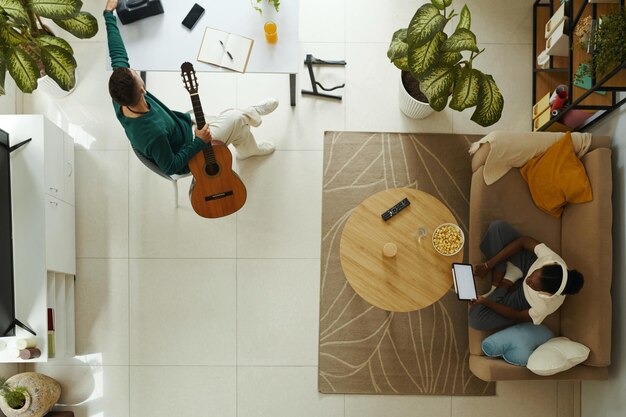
<point x="42" y="394"/>
<point x="411" y="107"/>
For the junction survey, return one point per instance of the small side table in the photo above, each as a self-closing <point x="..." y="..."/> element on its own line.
<point x="417" y="276"/>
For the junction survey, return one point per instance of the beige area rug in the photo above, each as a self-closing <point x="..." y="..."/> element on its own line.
<point x="363" y="349"/>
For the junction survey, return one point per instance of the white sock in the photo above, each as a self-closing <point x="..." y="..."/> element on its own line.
<point x="493" y="288"/>
<point x="512" y="273"/>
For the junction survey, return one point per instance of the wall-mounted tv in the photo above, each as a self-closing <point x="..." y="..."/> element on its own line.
<point x="7" y="296"/>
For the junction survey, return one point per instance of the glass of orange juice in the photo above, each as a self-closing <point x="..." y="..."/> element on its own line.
<point x="270" y="32"/>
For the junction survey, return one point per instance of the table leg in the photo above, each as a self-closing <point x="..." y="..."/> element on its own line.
<point x="292" y="89"/>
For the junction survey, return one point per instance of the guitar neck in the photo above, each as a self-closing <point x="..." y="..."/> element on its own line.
<point x="197" y="110"/>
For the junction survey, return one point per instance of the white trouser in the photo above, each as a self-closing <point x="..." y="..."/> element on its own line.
<point x="233" y="126"/>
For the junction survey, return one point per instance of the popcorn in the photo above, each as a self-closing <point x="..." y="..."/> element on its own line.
<point x="448" y="239"/>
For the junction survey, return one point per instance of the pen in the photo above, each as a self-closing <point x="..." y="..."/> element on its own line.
<point x="227" y="53"/>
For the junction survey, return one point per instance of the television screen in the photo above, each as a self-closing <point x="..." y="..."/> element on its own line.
<point x="7" y="301"/>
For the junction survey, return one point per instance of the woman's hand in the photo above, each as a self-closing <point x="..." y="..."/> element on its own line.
<point x="110" y="5"/>
<point x="481" y="270"/>
<point x="204" y="134"/>
<point x="479" y="300"/>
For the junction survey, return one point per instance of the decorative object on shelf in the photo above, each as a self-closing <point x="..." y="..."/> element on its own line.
<point x="13" y="397"/>
<point x="608" y="42"/>
<point x="30" y="49"/>
<point x="255" y="4"/>
<point x="543" y="59"/>
<point x="583" y="32"/>
<point x="436" y="61"/>
<point x="555" y="21"/>
<point x="40" y="393"/>
<point x="558" y="42"/>
<point x="583" y="80"/>
<point x="559" y="97"/>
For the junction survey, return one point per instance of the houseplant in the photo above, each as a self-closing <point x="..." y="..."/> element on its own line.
<point x="437" y="62"/>
<point x="255" y="4"/>
<point x="15" y="397"/>
<point x="30" y="50"/>
<point x="608" y="44"/>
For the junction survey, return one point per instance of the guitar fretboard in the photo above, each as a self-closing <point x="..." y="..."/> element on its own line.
<point x="209" y="155"/>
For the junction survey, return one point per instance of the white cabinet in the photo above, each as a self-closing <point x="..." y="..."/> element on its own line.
<point x="44" y="243"/>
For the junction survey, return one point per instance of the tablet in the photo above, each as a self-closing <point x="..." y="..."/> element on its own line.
<point x="463" y="278"/>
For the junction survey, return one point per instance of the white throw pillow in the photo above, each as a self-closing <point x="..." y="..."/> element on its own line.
<point x="557" y="355"/>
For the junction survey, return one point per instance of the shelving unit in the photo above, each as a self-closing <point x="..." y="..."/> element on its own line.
<point x="44" y="246"/>
<point x="562" y="70"/>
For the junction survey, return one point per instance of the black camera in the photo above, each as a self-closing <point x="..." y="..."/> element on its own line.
<point x="129" y="11"/>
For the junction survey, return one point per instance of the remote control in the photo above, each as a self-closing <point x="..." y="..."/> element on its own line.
<point x="395" y="209"/>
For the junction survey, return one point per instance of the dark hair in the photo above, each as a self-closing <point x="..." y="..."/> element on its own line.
<point x="123" y="87"/>
<point x="552" y="276"/>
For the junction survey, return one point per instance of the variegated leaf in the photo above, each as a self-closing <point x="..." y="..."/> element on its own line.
<point x="449" y="58"/>
<point x="47" y="40"/>
<point x="461" y="40"/>
<point x="439" y="103"/>
<point x="16" y="10"/>
<point x="490" y="102"/>
<point x="422" y="58"/>
<point x="440" y="4"/>
<point x="3" y="72"/>
<point x="426" y="22"/>
<point x="465" y="92"/>
<point x="60" y="65"/>
<point x="9" y="36"/>
<point x="22" y="68"/>
<point x="465" y="20"/>
<point x="438" y="83"/>
<point x="56" y="9"/>
<point x="398" y="49"/>
<point x="83" y="25"/>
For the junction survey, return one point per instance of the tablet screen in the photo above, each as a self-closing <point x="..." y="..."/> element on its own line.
<point x="463" y="276"/>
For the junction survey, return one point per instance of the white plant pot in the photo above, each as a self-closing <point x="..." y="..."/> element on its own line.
<point x="51" y="88"/>
<point x="412" y="108"/>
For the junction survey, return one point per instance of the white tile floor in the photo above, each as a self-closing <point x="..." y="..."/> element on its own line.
<point x="182" y="316"/>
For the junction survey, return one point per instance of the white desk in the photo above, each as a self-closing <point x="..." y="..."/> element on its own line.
<point x="161" y="43"/>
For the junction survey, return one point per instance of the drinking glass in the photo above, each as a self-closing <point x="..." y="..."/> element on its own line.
<point x="421" y="233"/>
<point x="271" y="35"/>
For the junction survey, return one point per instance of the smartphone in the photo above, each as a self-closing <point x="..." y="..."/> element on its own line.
<point x="193" y="16"/>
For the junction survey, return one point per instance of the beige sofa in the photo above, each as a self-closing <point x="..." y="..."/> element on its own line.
<point x="582" y="236"/>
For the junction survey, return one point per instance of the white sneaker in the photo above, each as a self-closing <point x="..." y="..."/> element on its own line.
<point x="265" y="148"/>
<point x="266" y="106"/>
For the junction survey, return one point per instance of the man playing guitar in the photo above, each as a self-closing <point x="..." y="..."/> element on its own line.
<point x="166" y="136"/>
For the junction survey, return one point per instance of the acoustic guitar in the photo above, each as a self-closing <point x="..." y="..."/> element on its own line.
<point x="217" y="190"/>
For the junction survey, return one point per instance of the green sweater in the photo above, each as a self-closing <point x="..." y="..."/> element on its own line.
<point x="162" y="135"/>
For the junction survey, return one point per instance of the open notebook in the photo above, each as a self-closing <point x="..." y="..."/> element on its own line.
<point x="216" y="53"/>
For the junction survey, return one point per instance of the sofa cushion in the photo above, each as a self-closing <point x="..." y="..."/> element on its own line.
<point x="587" y="246"/>
<point x="557" y="355"/>
<point x="557" y="178"/>
<point x="516" y="343"/>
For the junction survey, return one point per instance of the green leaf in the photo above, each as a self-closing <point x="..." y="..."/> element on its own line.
<point x="47" y="40"/>
<point x="10" y="36"/>
<point x="490" y="102"/>
<point x="422" y="58"/>
<point x="426" y="23"/>
<point x="3" y="73"/>
<point x="465" y="20"/>
<point x="439" y="103"/>
<point x="398" y="49"/>
<point x="466" y="85"/>
<point x="449" y="59"/>
<point x="16" y="10"/>
<point x="22" y="68"/>
<point x="56" y="9"/>
<point x="60" y="65"/>
<point x="437" y="84"/>
<point x="438" y="4"/>
<point x="83" y="25"/>
<point x="461" y="40"/>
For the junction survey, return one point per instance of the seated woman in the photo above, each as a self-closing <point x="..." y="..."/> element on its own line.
<point x="512" y="256"/>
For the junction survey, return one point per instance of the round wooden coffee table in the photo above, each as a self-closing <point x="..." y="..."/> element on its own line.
<point x="417" y="275"/>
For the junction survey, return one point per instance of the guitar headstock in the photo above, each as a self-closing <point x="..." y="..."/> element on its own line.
<point x="189" y="77"/>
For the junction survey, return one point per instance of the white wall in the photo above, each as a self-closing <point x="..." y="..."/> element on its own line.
<point x="607" y="398"/>
<point x="8" y="102"/>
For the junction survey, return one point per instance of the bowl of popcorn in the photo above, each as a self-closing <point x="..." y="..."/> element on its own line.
<point x="448" y="239"/>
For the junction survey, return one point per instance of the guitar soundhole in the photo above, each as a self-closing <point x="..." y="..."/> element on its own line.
<point x="212" y="169"/>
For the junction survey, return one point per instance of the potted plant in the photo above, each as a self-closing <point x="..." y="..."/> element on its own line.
<point x="438" y="67"/>
<point x="15" y="398"/>
<point x="609" y="48"/>
<point x="29" y="49"/>
<point x="255" y="3"/>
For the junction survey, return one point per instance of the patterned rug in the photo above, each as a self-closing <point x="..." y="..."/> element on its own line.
<point x="366" y="350"/>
